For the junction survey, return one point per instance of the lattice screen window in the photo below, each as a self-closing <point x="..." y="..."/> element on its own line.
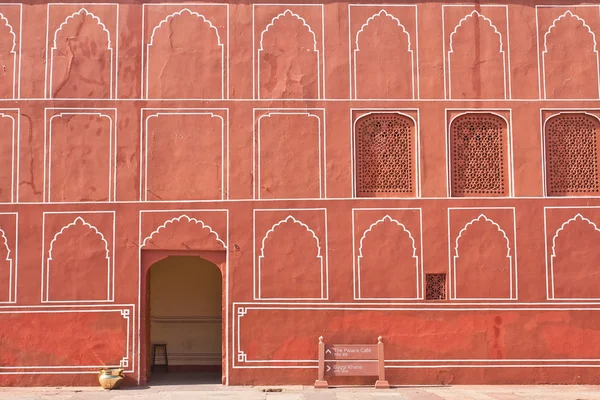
<point x="478" y="156"/>
<point x="435" y="286"/>
<point x="385" y="159"/>
<point x="572" y="155"/>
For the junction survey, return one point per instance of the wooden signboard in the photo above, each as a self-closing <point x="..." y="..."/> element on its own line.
<point x="351" y="360"/>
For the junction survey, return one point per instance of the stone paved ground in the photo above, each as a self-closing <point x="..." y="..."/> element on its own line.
<point x="217" y="392"/>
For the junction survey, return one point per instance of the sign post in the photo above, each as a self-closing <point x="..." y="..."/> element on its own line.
<point x="351" y="360"/>
<point x="321" y="383"/>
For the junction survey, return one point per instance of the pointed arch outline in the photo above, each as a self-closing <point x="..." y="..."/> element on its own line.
<point x="110" y="274"/>
<point x="569" y="14"/>
<point x="13" y="52"/>
<point x="189" y="220"/>
<point x="171" y="17"/>
<point x="513" y="292"/>
<point x="381" y="14"/>
<point x="83" y="11"/>
<point x="387" y="218"/>
<point x="553" y="255"/>
<point x="291" y="219"/>
<point x="500" y="50"/>
<point x="544" y="136"/>
<point x="278" y="17"/>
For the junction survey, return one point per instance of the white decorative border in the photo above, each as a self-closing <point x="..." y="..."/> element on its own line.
<point x="555" y="112"/>
<point x="47" y="255"/>
<point x="188" y="219"/>
<point x="511" y="253"/>
<point x="505" y="54"/>
<point x="322" y="158"/>
<point x="14" y="114"/>
<point x="221" y="42"/>
<point x="353" y="41"/>
<point x="147" y="113"/>
<point x="318" y="49"/>
<point x="12" y="260"/>
<point x="51" y="46"/>
<point x="541" y="55"/>
<point x="356" y="257"/>
<point x="16" y="87"/>
<point x="127" y="362"/>
<point x="239" y="358"/>
<point x="108" y="113"/>
<point x="404" y="112"/>
<point x="509" y="145"/>
<point x="550" y="265"/>
<point x="225" y="277"/>
<point x="323" y="249"/>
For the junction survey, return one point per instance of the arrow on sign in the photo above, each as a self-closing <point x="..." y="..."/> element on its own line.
<point x="328" y="351"/>
<point x="328" y="368"/>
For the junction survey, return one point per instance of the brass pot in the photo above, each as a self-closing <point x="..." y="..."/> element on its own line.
<point x="111" y="378"/>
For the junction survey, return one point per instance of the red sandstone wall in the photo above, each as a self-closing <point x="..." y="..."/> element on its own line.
<point x="130" y="132"/>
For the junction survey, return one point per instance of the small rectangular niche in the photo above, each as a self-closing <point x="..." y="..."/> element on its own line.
<point x="435" y="286"/>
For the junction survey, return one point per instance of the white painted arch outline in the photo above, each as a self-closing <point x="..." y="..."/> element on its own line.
<point x="543" y="136"/>
<point x="204" y="20"/>
<point x="322" y="136"/>
<point x="110" y="276"/>
<point x="14" y="149"/>
<point x="82" y="12"/>
<point x="225" y="276"/>
<point x="291" y="219"/>
<point x="384" y="14"/>
<point x="388" y="219"/>
<point x="13" y="52"/>
<point x="186" y="219"/>
<point x="112" y="156"/>
<point x="417" y="140"/>
<point x="509" y="150"/>
<point x="289" y="13"/>
<point x="577" y="217"/>
<point x="482" y="218"/>
<point x="569" y="14"/>
<point x="156" y="113"/>
<point x="12" y="273"/>
<point x="476" y="14"/>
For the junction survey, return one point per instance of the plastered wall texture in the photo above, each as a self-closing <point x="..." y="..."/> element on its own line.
<point x="327" y="158"/>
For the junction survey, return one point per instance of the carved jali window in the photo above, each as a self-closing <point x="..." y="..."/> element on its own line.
<point x="385" y="159"/>
<point x="478" y="156"/>
<point x="435" y="286"/>
<point x="572" y="155"/>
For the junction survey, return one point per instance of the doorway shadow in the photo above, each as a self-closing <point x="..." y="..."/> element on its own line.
<point x="160" y="378"/>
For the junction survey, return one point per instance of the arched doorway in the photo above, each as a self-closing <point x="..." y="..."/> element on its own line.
<point x="183" y="307"/>
<point x="184" y="304"/>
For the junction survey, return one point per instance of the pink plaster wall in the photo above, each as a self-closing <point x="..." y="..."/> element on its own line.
<point x="228" y="132"/>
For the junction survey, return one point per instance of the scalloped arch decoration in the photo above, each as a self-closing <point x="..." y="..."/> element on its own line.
<point x="390" y="270"/>
<point x="557" y="80"/>
<point x="564" y="283"/>
<point x="82" y="12"/>
<point x="276" y="279"/>
<point x="488" y="268"/>
<point x="184" y="219"/>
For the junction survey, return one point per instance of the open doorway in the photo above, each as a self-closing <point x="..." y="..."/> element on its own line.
<point x="184" y="303"/>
